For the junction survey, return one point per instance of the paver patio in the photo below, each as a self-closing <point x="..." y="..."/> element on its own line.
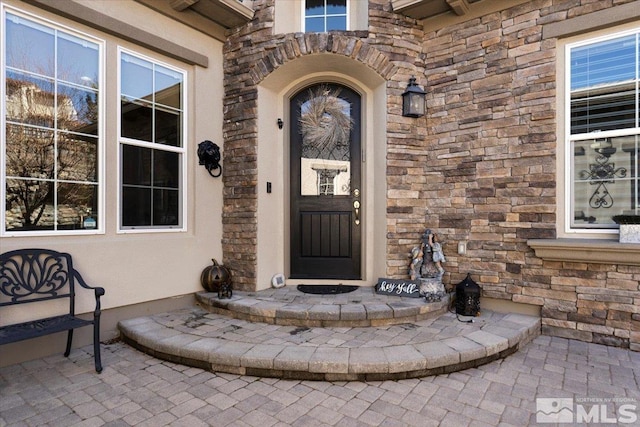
<point x="137" y="389"/>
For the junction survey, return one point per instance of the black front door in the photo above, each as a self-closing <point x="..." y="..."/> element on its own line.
<point x="326" y="207"/>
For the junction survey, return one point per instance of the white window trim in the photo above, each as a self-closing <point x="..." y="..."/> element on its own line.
<point x="565" y="175"/>
<point x="304" y="16"/>
<point x="100" y="229"/>
<point x="182" y="150"/>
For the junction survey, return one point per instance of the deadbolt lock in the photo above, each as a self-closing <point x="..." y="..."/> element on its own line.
<point x="356" y="193"/>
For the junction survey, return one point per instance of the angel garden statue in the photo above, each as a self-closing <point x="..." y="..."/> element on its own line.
<point x="426" y="266"/>
<point x="416" y="263"/>
<point x="436" y="252"/>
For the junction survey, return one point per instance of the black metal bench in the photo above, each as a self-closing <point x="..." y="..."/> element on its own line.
<point x="30" y="276"/>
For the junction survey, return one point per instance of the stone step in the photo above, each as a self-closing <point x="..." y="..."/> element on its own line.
<point x="288" y="306"/>
<point x="219" y="343"/>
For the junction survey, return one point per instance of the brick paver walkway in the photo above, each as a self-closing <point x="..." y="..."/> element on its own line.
<point x="136" y="389"/>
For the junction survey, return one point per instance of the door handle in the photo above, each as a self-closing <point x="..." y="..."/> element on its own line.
<point x="356" y="207"/>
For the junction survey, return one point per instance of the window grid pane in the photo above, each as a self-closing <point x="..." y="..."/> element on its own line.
<point x="605" y="178"/>
<point x="603" y="63"/>
<point x="52" y="119"/>
<point x="325" y="15"/>
<point x="152" y="120"/>
<point x="314" y="25"/>
<point x="336" y="23"/>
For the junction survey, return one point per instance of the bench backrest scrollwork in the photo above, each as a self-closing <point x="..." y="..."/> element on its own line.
<point x="30" y="275"/>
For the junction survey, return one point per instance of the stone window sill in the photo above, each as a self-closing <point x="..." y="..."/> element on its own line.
<point x="586" y="250"/>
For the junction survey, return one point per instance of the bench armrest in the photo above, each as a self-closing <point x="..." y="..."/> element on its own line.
<point x="99" y="291"/>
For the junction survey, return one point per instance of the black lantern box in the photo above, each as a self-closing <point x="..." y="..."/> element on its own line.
<point x="468" y="297"/>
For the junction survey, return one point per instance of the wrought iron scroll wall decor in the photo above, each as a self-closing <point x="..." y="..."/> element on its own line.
<point x="601" y="173"/>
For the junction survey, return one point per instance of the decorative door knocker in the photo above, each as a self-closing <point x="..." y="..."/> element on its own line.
<point x="209" y="155"/>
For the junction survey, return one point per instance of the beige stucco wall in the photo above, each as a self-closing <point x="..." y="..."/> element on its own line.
<point x="141" y="267"/>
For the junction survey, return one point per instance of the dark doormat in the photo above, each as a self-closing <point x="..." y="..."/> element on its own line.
<point x="326" y="289"/>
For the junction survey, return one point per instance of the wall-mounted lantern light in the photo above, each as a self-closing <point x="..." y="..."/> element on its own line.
<point x="280" y="123"/>
<point x="413" y="100"/>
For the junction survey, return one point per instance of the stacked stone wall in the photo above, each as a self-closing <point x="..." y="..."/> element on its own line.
<point x="491" y="172"/>
<point x="252" y="52"/>
<point x="480" y="167"/>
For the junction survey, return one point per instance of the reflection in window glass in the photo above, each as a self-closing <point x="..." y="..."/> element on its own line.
<point x="29" y="99"/>
<point x="139" y="77"/>
<point x="81" y="61"/>
<point x="315" y="8"/>
<point x="325" y="161"/>
<point x="30" y="152"/>
<point x="336" y="7"/>
<point x="336" y="22"/>
<point x="151" y="101"/>
<point x="136" y="165"/>
<point x="30" y="205"/>
<point x="165" y="207"/>
<point x="325" y="15"/>
<point x="69" y="195"/>
<point x="168" y="87"/>
<point x="136" y="120"/>
<point x="314" y="25"/>
<point x="152" y="175"/>
<point x="166" y="168"/>
<point x="152" y="152"/>
<point x="77" y="109"/>
<point x="604" y="130"/>
<point x="52" y="127"/>
<point x="138" y="206"/>
<point x="603" y="78"/>
<point x="168" y="126"/>
<point x="607" y="62"/>
<point x="30" y="46"/>
<point x="77" y="157"/>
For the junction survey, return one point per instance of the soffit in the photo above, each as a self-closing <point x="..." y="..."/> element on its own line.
<point x="423" y="9"/>
<point x="205" y="15"/>
<point x="437" y="14"/>
<point x="228" y="13"/>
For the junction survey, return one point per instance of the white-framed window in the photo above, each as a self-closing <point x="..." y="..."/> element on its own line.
<point x="321" y="16"/>
<point x="52" y="128"/>
<point x="602" y="130"/>
<point x="152" y="140"/>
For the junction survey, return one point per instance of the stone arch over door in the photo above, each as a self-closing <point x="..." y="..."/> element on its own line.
<point x="254" y="86"/>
